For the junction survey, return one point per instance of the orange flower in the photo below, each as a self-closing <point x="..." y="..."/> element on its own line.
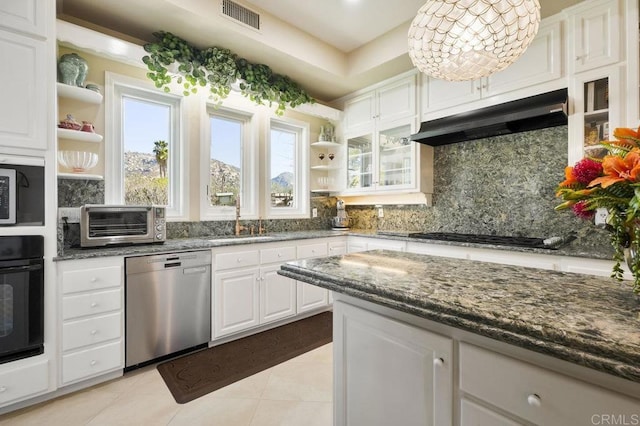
<point x="569" y="178"/>
<point x="617" y="169"/>
<point x="626" y="133"/>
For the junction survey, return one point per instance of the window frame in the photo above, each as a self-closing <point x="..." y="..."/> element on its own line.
<point x="301" y="188"/>
<point x="249" y="203"/>
<point x="116" y="87"/>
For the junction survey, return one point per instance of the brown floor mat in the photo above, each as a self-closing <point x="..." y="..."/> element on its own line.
<point x="194" y="375"/>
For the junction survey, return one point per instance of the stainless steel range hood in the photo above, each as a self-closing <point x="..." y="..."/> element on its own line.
<point x="536" y="112"/>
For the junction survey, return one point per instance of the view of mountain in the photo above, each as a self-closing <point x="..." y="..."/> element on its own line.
<point x="224" y="177"/>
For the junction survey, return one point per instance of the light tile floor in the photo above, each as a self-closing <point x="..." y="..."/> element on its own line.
<point x="296" y="392"/>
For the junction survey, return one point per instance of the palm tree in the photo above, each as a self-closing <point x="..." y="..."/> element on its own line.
<point x="161" y="150"/>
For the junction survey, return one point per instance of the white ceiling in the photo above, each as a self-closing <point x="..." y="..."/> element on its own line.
<point x="331" y="47"/>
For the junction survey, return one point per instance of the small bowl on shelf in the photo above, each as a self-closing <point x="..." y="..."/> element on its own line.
<point x="77" y="161"/>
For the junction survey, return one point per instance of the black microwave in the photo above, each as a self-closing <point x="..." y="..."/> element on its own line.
<point x="21" y="195"/>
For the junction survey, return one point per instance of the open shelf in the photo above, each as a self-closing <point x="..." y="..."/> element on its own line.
<point x="78" y="93"/>
<point x="325" y="144"/>
<point x="85" y="176"/>
<point x="324" y="167"/>
<point x="78" y="135"/>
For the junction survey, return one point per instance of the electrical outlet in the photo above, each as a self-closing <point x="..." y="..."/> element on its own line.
<point x="380" y="212"/>
<point x="601" y="216"/>
<point x="72" y="214"/>
<point x="314" y="212"/>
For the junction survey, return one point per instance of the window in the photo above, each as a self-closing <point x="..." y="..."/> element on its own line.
<point x="230" y="160"/>
<point x="287" y="162"/>
<point x="143" y="149"/>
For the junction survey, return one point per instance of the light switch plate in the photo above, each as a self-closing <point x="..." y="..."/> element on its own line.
<point x="314" y="212"/>
<point x="380" y="212"/>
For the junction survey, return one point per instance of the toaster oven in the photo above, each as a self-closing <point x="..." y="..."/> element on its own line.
<point x="104" y="225"/>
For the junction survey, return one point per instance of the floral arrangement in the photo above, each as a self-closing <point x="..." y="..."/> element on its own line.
<point x="612" y="182"/>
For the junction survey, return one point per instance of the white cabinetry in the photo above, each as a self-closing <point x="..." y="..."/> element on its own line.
<point x="23" y="380"/>
<point x="539" y="65"/>
<point x="236" y="290"/>
<point x="533" y="393"/>
<point x="596" y="39"/>
<point x="388" y="372"/>
<point x="379" y="155"/>
<point x="309" y="296"/>
<point x="277" y="293"/>
<point x="357" y="244"/>
<point x="25" y="16"/>
<point x="92" y="326"/>
<point x="24" y="116"/>
<point x="390" y="102"/>
<point x="248" y="291"/>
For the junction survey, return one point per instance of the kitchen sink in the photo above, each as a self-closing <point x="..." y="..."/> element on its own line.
<point x="243" y="238"/>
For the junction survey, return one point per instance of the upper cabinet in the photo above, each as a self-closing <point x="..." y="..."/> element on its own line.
<point x="596" y="33"/>
<point x="390" y="102"/>
<point x="380" y="157"/>
<point x="25" y="16"/>
<point x="539" y="65"/>
<point x="24" y="108"/>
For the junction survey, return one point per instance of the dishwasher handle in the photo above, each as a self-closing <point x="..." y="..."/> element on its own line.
<point x="172" y="265"/>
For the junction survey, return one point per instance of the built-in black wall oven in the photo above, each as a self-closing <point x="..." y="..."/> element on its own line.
<point x="21" y="297"/>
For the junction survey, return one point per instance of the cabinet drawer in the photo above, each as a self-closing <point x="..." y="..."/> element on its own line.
<point x="472" y="414"/>
<point x="93" y="303"/>
<point x="336" y="248"/>
<point x="536" y="394"/>
<point x="83" y="364"/>
<point x="238" y="259"/>
<point x="24" y="381"/>
<point x="90" y="331"/>
<point x="91" y="279"/>
<point x="312" y="250"/>
<point x="278" y="254"/>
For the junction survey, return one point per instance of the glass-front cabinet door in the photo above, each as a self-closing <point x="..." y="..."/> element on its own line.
<point x="360" y="162"/>
<point x="597" y="111"/>
<point x="395" y="157"/>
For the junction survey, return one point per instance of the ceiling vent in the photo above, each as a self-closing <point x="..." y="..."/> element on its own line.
<point x="241" y="14"/>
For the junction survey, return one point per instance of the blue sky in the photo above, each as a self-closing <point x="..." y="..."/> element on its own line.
<point x="146" y="122"/>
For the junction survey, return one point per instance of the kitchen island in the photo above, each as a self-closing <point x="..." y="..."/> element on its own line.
<point x="476" y="343"/>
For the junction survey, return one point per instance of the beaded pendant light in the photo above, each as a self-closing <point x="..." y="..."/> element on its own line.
<point x="461" y="40"/>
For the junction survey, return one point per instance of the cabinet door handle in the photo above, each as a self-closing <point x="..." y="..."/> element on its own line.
<point x="534" y="400"/>
<point x="438" y="362"/>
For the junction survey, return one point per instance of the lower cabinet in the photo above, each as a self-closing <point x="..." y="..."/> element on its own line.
<point x="92" y="329"/>
<point x="248" y="292"/>
<point x="388" y="372"/>
<point x="236" y="301"/>
<point x="28" y="380"/>
<point x="532" y="393"/>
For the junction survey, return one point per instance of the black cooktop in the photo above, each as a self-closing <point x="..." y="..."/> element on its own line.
<point x="488" y="239"/>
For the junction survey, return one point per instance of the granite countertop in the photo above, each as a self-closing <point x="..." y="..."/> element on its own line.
<point x="591" y="321"/>
<point x="186" y="244"/>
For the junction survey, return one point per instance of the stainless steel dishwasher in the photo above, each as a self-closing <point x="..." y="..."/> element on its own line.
<point x="168" y="304"/>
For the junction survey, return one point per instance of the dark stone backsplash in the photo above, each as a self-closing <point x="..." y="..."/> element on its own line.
<point x="501" y="185"/>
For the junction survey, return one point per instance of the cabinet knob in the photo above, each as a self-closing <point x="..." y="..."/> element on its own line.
<point x="279" y="254"/>
<point x="94" y="304"/>
<point x="438" y="362"/>
<point x="3" y="389"/>
<point x="534" y="400"/>
<point x="93" y="332"/>
<point x="239" y="259"/>
<point x="94" y="279"/>
<point x="93" y="362"/>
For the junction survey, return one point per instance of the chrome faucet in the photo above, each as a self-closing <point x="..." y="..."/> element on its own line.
<point x="239" y="227"/>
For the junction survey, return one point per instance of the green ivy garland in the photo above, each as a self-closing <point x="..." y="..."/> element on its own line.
<point x="219" y="68"/>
